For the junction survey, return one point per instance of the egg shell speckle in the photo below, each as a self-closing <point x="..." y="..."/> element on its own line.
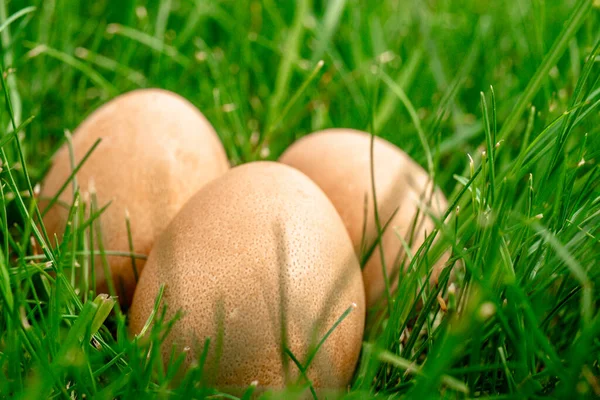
<point x="339" y="162"/>
<point x="260" y="240"/>
<point x="156" y="151"/>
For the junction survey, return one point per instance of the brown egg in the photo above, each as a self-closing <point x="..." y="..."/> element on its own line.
<point x="157" y="150"/>
<point x="338" y="160"/>
<point x="260" y="248"/>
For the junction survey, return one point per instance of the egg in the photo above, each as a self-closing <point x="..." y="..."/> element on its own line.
<point x="255" y="254"/>
<point x="339" y="162"/>
<point x="156" y="151"/>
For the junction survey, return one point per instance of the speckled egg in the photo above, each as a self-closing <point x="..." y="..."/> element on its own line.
<point x="156" y="151"/>
<point x="255" y="254"/>
<point x="339" y="162"/>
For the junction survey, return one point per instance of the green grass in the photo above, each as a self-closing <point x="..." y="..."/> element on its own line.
<point x="498" y="100"/>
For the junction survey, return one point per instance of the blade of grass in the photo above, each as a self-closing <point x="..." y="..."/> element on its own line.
<point x="289" y="58"/>
<point x="571" y="26"/>
<point x="14" y="17"/>
<point x="71" y="177"/>
<point x="331" y="20"/>
<point x="95" y="77"/>
<point x="412" y="368"/>
<point x="398" y="91"/>
<point x="150" y="42"/>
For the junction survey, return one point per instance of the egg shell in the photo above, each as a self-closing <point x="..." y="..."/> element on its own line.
<point x="156" y="151"/>
<point x="260" y="248"/>
<point x="339" y="162"/>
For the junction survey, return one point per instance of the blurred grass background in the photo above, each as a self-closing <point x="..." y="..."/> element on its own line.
<point x="240" y="62"/>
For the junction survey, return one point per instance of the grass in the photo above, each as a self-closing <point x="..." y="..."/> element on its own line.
<point x="498" y="100"/>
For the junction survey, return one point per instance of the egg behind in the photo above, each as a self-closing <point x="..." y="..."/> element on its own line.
<point x="339" y="162"/>
<point x="260" y="248"/>
<point x="157" y="150"/>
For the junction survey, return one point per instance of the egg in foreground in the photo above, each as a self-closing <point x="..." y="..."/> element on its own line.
<point x="259" y="249"/>
<point x="156" y="151"/>
<point x="339" y="162"/>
